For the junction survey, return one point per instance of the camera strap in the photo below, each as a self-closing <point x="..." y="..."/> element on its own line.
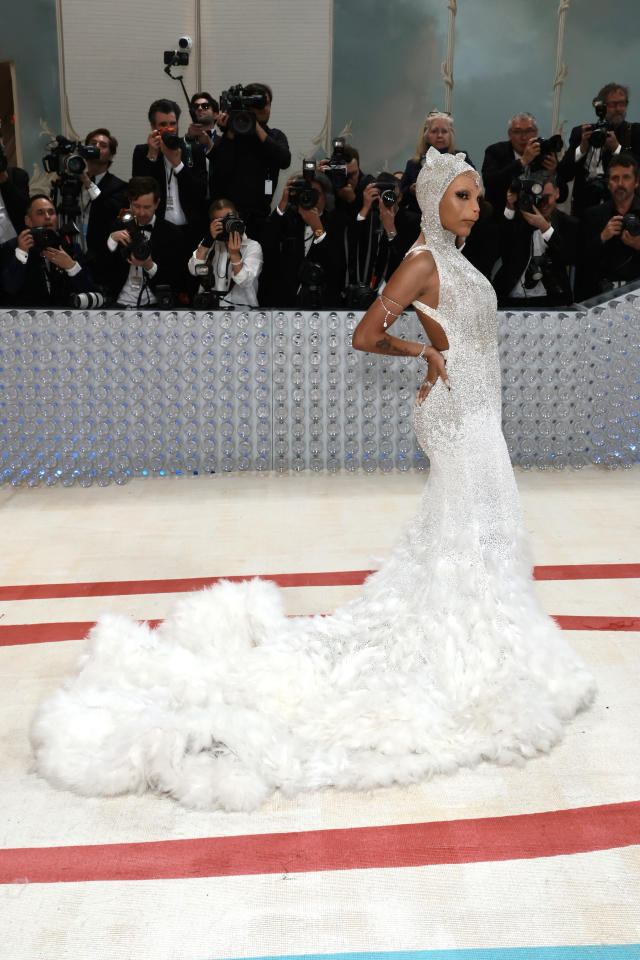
<point x="188" y="149"/>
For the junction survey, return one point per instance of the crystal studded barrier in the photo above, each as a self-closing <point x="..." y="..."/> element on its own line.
<point x="104" y="396"/>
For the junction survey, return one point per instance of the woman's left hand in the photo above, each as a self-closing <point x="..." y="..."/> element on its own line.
<point x="436" y="368"/>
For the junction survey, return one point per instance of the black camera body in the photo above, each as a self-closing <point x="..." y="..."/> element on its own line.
<point x="601" y="128"/>
<point x="231" y="223"/>
<point x="44" y="237"/>
<point x="170" y="138"/>
<point x="529" y="190"/>
<point x="69" y="158"/>
<point x="336" y="169"/>
<point x="239" y="105"/>
<point x="553" y="144"/>
<point x="301" y="192"/>
<point x="140" y="246"/>
<point x="631" y="223"/>
<point x="389" y="190"/>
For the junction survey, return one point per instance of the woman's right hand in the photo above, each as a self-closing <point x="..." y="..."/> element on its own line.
<point x="437" y="367"/>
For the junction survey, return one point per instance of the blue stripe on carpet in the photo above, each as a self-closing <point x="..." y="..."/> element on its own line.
<point x="622" y="951"/>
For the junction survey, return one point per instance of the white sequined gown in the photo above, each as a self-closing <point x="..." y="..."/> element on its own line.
<point x="444" y="661"/>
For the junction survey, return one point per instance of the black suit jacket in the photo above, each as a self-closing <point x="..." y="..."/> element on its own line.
<point x="15" y="194"/>
<point x="192" y="183"/>
<point x="240" y="167"/>
<point x="610" y="261"/>
<point x="515" y="250"/>
<point x="104" y="210"/>
<point x="26" y="285"/>
<point x="165" y="252"/>
<point x="285" y="242"/>
<point x="585" y="193"/>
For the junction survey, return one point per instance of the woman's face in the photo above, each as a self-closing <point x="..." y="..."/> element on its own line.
<point x="438" y="135"/>
<point x="459" y="208"/>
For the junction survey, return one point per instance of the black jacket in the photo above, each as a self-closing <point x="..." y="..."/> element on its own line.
<point x="38" y="283"/>
<point x="241" y="166"/>
<point x="103" y="211"/>
<point x="165" y="247"/>
<point x="516" y="249"/>
<point x="15" y="194"/>
<point x="587" y="193"/>
<point x="610" y="261"/>
<point x="499" y="169"/>
<point x="287" y="253"/>
<point x="192" y="182"/>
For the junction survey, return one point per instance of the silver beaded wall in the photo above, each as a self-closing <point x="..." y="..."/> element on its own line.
<point x="104" y="396"/>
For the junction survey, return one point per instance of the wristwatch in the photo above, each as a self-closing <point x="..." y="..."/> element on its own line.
<point x="318" y="232"/>
<point x="392" y="235"/>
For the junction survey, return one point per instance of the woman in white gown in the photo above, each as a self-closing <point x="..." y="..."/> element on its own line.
<point x="445" y="660"/>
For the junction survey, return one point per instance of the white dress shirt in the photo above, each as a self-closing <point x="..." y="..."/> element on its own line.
<point x="241" y="288"/>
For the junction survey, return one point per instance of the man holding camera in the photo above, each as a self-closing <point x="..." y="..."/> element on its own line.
<point x="43" y="268"/>
<point x="612" y="230"/>
<point x="347" y="179"/>
<point x="306" y="244"/>
<point x="592" y="146"/>
<point x="143" y="250"/>
<point x="102" y="195"/>
<point x="227" y="262"/>
<point x="377" y="240"/>
<point x="245" y="165"/>
<point x="179" y="168"/>
<point x="505" y="161"/>
<point x="538" y="245"/>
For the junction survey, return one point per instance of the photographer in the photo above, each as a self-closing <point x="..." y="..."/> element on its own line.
<point x="347" y="179"/>
<point x="204" y="130"/>
<point x="179" y="168"/>
<point x="227" y="262"/>
<point x="593" y="145"/>
<point x="101" y="198"/>
<point x="377" y="241"/>
<point x="538" y="245"/>
<point x="507" y="160"/>
<point x="144" y="250"/>
<point x="612" y="230"/>
<point x="14" y="197"/>
<point x="245" y="166"/>
<point x="43" y="268"/>
<point x="305" y="243"/>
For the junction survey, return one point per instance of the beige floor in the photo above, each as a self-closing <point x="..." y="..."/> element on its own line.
<point x="251" y="524"/>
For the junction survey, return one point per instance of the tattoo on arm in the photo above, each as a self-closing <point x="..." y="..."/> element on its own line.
<point x="386" y="346"/>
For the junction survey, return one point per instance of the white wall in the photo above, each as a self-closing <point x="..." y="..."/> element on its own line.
<point x="114" y="68"/>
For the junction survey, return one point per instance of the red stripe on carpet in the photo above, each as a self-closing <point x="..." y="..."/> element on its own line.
<point x="523" y="837"/>
<point x="110" y="588"/>
<point x="13" y="635"/>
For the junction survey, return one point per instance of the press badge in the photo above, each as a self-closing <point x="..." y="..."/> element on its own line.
<point x="136" y="279"/>
<point x="268" y="188"/>
<point x="170" y="204"/>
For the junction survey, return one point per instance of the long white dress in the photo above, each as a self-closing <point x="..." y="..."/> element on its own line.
<point x="444" y="661"/>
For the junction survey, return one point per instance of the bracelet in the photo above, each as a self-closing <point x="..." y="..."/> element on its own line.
<point x="235" y="263"/>
<point x="423" y="354"/>
<point x="387" y="312"/>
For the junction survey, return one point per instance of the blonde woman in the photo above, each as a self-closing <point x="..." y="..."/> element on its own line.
<point x="437" y="131"/>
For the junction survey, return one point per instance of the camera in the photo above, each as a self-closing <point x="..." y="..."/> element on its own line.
<point x="69" y="158"/>
<point x="86" y="301"/>
<point x="239" y="105"/>
<point x="389" y="191"/>
<point x="43" y="237"/>
<point x="552" y="144"/>
<point x="140" y="246"/>
<point x="231" y="224"/>
<point x="601" y="128"/>
<point x="312" y="292"/>
<point x="631" y="223"/>
<point x="172" y="140"/>
<point x="529" y="191"/>
<point x="179" y="57"/>
<point x="336" y="169"/>
<point x="207" y="300"/>
<point x="301" y="192"/>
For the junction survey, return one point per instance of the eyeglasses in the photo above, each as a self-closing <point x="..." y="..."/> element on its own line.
<point x="617" y="103"/>
<point x="520" y="132"/>
<point x="201" y="106"/>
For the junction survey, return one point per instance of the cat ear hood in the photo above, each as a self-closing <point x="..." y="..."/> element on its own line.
<point x="439" y="170"/>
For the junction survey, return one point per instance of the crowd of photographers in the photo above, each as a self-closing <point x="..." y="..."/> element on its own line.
<point x="195" y="224"/>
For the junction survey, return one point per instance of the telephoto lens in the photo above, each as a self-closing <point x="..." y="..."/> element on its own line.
<point x="86" y="301"/>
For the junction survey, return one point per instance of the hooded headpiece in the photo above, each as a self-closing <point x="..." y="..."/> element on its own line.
<point x="439" y="170"/>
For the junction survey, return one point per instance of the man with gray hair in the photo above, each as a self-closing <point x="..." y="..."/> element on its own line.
<point x="507" y="160"/>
